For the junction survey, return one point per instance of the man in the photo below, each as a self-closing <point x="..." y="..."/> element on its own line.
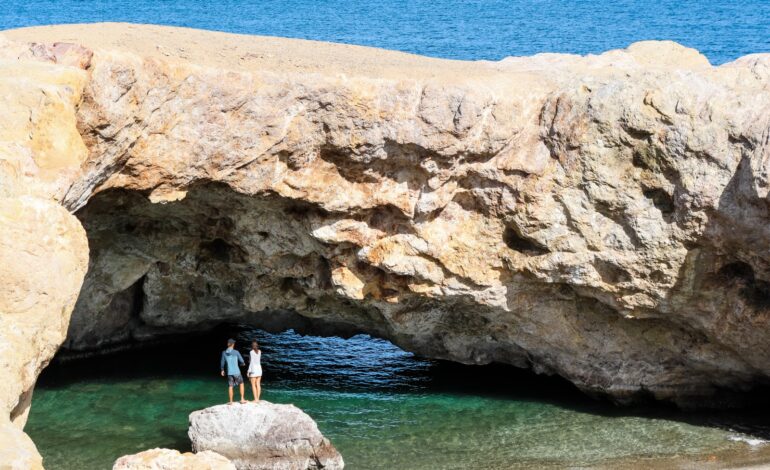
<point x="229" y="362"/>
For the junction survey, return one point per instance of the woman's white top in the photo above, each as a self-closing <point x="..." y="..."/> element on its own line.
<point x="255" y="367"/>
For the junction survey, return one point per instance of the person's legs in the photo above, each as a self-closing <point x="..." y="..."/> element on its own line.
<point x="232" y="381"/>
<point x="253" y="381"/>
<point x="259" y="388"/>
<point x="243" y="397"/>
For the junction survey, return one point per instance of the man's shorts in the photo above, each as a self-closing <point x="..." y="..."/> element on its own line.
<point x="233" y="380"/>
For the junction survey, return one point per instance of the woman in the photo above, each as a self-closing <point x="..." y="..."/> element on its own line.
<point x="255" y="370"/>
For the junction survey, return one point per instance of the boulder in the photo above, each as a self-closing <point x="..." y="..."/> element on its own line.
<point x="263" y="436"/>
<point x="167" y="459"/>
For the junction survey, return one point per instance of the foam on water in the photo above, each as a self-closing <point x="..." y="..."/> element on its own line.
<point x="748" y="440"/>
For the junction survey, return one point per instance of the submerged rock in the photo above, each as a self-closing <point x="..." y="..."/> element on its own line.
<point x="263" y="436"/>
<point x="167" y="459"/>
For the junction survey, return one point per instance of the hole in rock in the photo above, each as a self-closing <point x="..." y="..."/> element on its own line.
<point x="180" y="273"/>
<point x="662" y="200"/>
<point x="736" y="271"/>
<point x="375" y="402"/>
<point x="220" y="250"/>
<point x="516" y="241"/>
<point x="755" y="292"/>
<point x="658" y="276"/>
<point x="648" y="157"/>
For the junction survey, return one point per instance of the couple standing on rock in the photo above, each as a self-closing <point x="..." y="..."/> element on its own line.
<point x="229" y="363"/>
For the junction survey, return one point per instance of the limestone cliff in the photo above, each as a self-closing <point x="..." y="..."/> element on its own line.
<point x="603" y="218"/>
<point x="43" y="248"/>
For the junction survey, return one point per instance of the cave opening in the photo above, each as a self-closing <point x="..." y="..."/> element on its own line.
<point x="168" y="283"/>
<point x="376" y="402"/>
<point x="361" y="391"/>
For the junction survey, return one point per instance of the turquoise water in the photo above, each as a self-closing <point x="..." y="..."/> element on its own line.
<point x="460" y="29"/>
<point x="381" y="407"/>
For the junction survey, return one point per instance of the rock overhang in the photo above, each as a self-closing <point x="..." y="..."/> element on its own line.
<point x="595" y="217"/>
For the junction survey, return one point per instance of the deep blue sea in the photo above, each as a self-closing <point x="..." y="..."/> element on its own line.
<point x="456" y="29"/>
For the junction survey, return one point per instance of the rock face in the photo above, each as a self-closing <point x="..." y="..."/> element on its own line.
<point x="167" y="459"/>
<point x="604" y="218"/>
<point x="263" y="436"/>
<point x="43" y="248"/>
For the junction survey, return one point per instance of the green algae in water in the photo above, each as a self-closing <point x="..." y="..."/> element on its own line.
<point x="381" y="407"/>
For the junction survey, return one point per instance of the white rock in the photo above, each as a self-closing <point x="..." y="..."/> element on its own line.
<point x="263" y="436"/>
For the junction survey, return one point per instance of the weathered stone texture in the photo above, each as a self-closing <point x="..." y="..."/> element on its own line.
<point x="263" y="436"/>
<point x="604" y="218"/>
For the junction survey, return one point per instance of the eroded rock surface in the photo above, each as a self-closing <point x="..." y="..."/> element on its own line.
<point x="43" y="248"/>
<point x="167" y="459"/>
<point x="604" y="218"/>
<point x="597" y="217"/>
<point x="263" y="436"/>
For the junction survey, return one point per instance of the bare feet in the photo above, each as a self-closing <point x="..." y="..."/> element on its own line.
<point x="255" y="401"/>
<point x="243" y="402"/>
<point x="229" y="403"/>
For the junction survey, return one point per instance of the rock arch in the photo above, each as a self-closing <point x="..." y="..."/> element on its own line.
<point x="592" y="217"/>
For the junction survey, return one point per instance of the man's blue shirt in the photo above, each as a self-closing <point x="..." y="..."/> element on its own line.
<point x="231" y="358"/>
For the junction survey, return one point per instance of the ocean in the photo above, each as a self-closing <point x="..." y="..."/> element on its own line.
<point x="455" y="29"/>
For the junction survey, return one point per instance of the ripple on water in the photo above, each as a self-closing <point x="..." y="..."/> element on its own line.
<point x="455" y="29"/>
<point x="382" y="407"/>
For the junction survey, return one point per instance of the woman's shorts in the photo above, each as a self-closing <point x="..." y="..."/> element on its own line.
<point x="233" y="380"/>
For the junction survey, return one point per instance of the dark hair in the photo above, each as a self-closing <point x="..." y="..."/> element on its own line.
<point x="230" y="341"/>
<point x="254" y="343"/>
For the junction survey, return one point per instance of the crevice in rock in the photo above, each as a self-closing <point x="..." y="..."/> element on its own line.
<point x="22" y="406"/>
<point x="301" y="210"/>
<point x="637" y="134"/>
<point x="137" y="304"/>
<point x="324" y="274"/>
<point x="388" y="219"/>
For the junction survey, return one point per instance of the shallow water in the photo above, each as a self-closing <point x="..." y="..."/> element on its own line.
<point x="458" y="29"/>
<point x="382" y="407"/>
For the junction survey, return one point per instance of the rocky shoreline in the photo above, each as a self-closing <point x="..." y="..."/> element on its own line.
<point x="603" y="218"/>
